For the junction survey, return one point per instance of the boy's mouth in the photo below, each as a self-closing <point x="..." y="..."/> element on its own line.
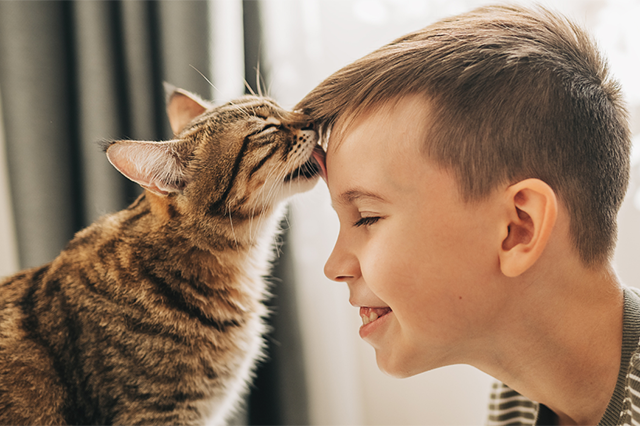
<point x="369" y="315"/>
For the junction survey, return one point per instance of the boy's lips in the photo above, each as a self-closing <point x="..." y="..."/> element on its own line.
<point x="370" y="314"/>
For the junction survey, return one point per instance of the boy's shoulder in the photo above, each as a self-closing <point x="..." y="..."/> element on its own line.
<point x="631" y="404"/>
<point x="507" y="406"/>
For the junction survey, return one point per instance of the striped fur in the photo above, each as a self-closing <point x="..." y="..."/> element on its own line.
<point x="153" y="315"/>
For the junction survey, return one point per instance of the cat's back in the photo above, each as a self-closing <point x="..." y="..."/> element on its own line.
<point x="82" y="261"/>
<point x="13" y="292"/>
<point x="48" y="316"/>
<point x="27" y="368"/>
<point x="12" y="289"/>
<point x="84" y="249"/>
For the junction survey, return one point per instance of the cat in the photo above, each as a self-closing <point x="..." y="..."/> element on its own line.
<point x="154" y="314"/>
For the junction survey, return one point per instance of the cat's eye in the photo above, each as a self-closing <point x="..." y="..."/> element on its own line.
<point x="271" y="126"/>
<point x="270" y="123"/>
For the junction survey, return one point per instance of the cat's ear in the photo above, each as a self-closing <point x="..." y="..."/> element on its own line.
<point x="156" y="166"/>
<point x="182" y="107"/>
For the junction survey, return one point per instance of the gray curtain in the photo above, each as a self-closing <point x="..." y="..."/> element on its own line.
<point x="73" y="73"/>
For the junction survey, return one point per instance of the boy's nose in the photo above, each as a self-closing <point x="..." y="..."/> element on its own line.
<point x="341" y="266"/>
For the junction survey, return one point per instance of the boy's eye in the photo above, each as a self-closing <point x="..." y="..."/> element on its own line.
<point x="367" y="221"/>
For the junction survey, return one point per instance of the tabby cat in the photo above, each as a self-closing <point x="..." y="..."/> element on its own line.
<point x="153" y="315"/>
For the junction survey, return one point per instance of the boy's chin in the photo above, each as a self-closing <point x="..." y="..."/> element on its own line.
<point x="398" y="367"/>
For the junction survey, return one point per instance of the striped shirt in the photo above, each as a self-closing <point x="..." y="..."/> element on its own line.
<point x="508" y="407"/>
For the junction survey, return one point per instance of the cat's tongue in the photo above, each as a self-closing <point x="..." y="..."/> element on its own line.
<point x="320" y="156"/>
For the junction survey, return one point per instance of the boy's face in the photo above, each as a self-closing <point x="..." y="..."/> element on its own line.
<point x="410" y="244"/>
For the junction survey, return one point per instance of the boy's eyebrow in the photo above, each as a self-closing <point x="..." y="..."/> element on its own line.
<point x="348" y="197"/>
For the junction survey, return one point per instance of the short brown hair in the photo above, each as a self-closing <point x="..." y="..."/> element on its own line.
<point x="518" y="93"/>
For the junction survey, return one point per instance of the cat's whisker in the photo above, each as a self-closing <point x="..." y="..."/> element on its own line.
<point x="251" y="220"/>
<point x="246" y="110"/>
<point x="235" y="238"/>
<point x="269" y="88"/>
<point x="279" y="177"/>
<point x="251" y="236"/>
<point x="240" y="108"/>
<point x="249" y="88"/>
<point x="261" y="199"/>
<point x="258" y="85"/>
<point x="205" y="78"/>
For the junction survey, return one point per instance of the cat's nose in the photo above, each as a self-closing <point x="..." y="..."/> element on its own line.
<point x="310" y="135"/>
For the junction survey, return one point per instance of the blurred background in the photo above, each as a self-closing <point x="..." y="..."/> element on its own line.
<point x="76" y="72"/>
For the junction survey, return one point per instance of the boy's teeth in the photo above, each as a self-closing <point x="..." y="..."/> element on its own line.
<point x="371" y="318"/>
<point x="369" y="315"/>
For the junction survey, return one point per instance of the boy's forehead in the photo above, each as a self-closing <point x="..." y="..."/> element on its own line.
<point x="406" y="114"/>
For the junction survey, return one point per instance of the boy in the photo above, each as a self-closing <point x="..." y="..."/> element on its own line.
<point x="476" y="167"/>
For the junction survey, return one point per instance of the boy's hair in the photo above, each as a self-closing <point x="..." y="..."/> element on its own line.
<point x="516" y="93"/>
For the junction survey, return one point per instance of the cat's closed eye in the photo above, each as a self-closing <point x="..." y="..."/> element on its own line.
<point x="271" y="126"/>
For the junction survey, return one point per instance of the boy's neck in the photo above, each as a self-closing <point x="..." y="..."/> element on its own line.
<point x="561" y="341"/>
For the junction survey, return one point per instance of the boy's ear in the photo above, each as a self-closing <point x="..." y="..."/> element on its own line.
<point x="182" y="107"/>
<point x="156" y="166"/>
<point x="532" y="209"/>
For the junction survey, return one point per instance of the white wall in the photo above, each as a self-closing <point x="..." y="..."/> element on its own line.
<point x="307" y="41"/>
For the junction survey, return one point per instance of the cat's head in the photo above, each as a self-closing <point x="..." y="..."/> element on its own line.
<point x="236" y="160"/>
